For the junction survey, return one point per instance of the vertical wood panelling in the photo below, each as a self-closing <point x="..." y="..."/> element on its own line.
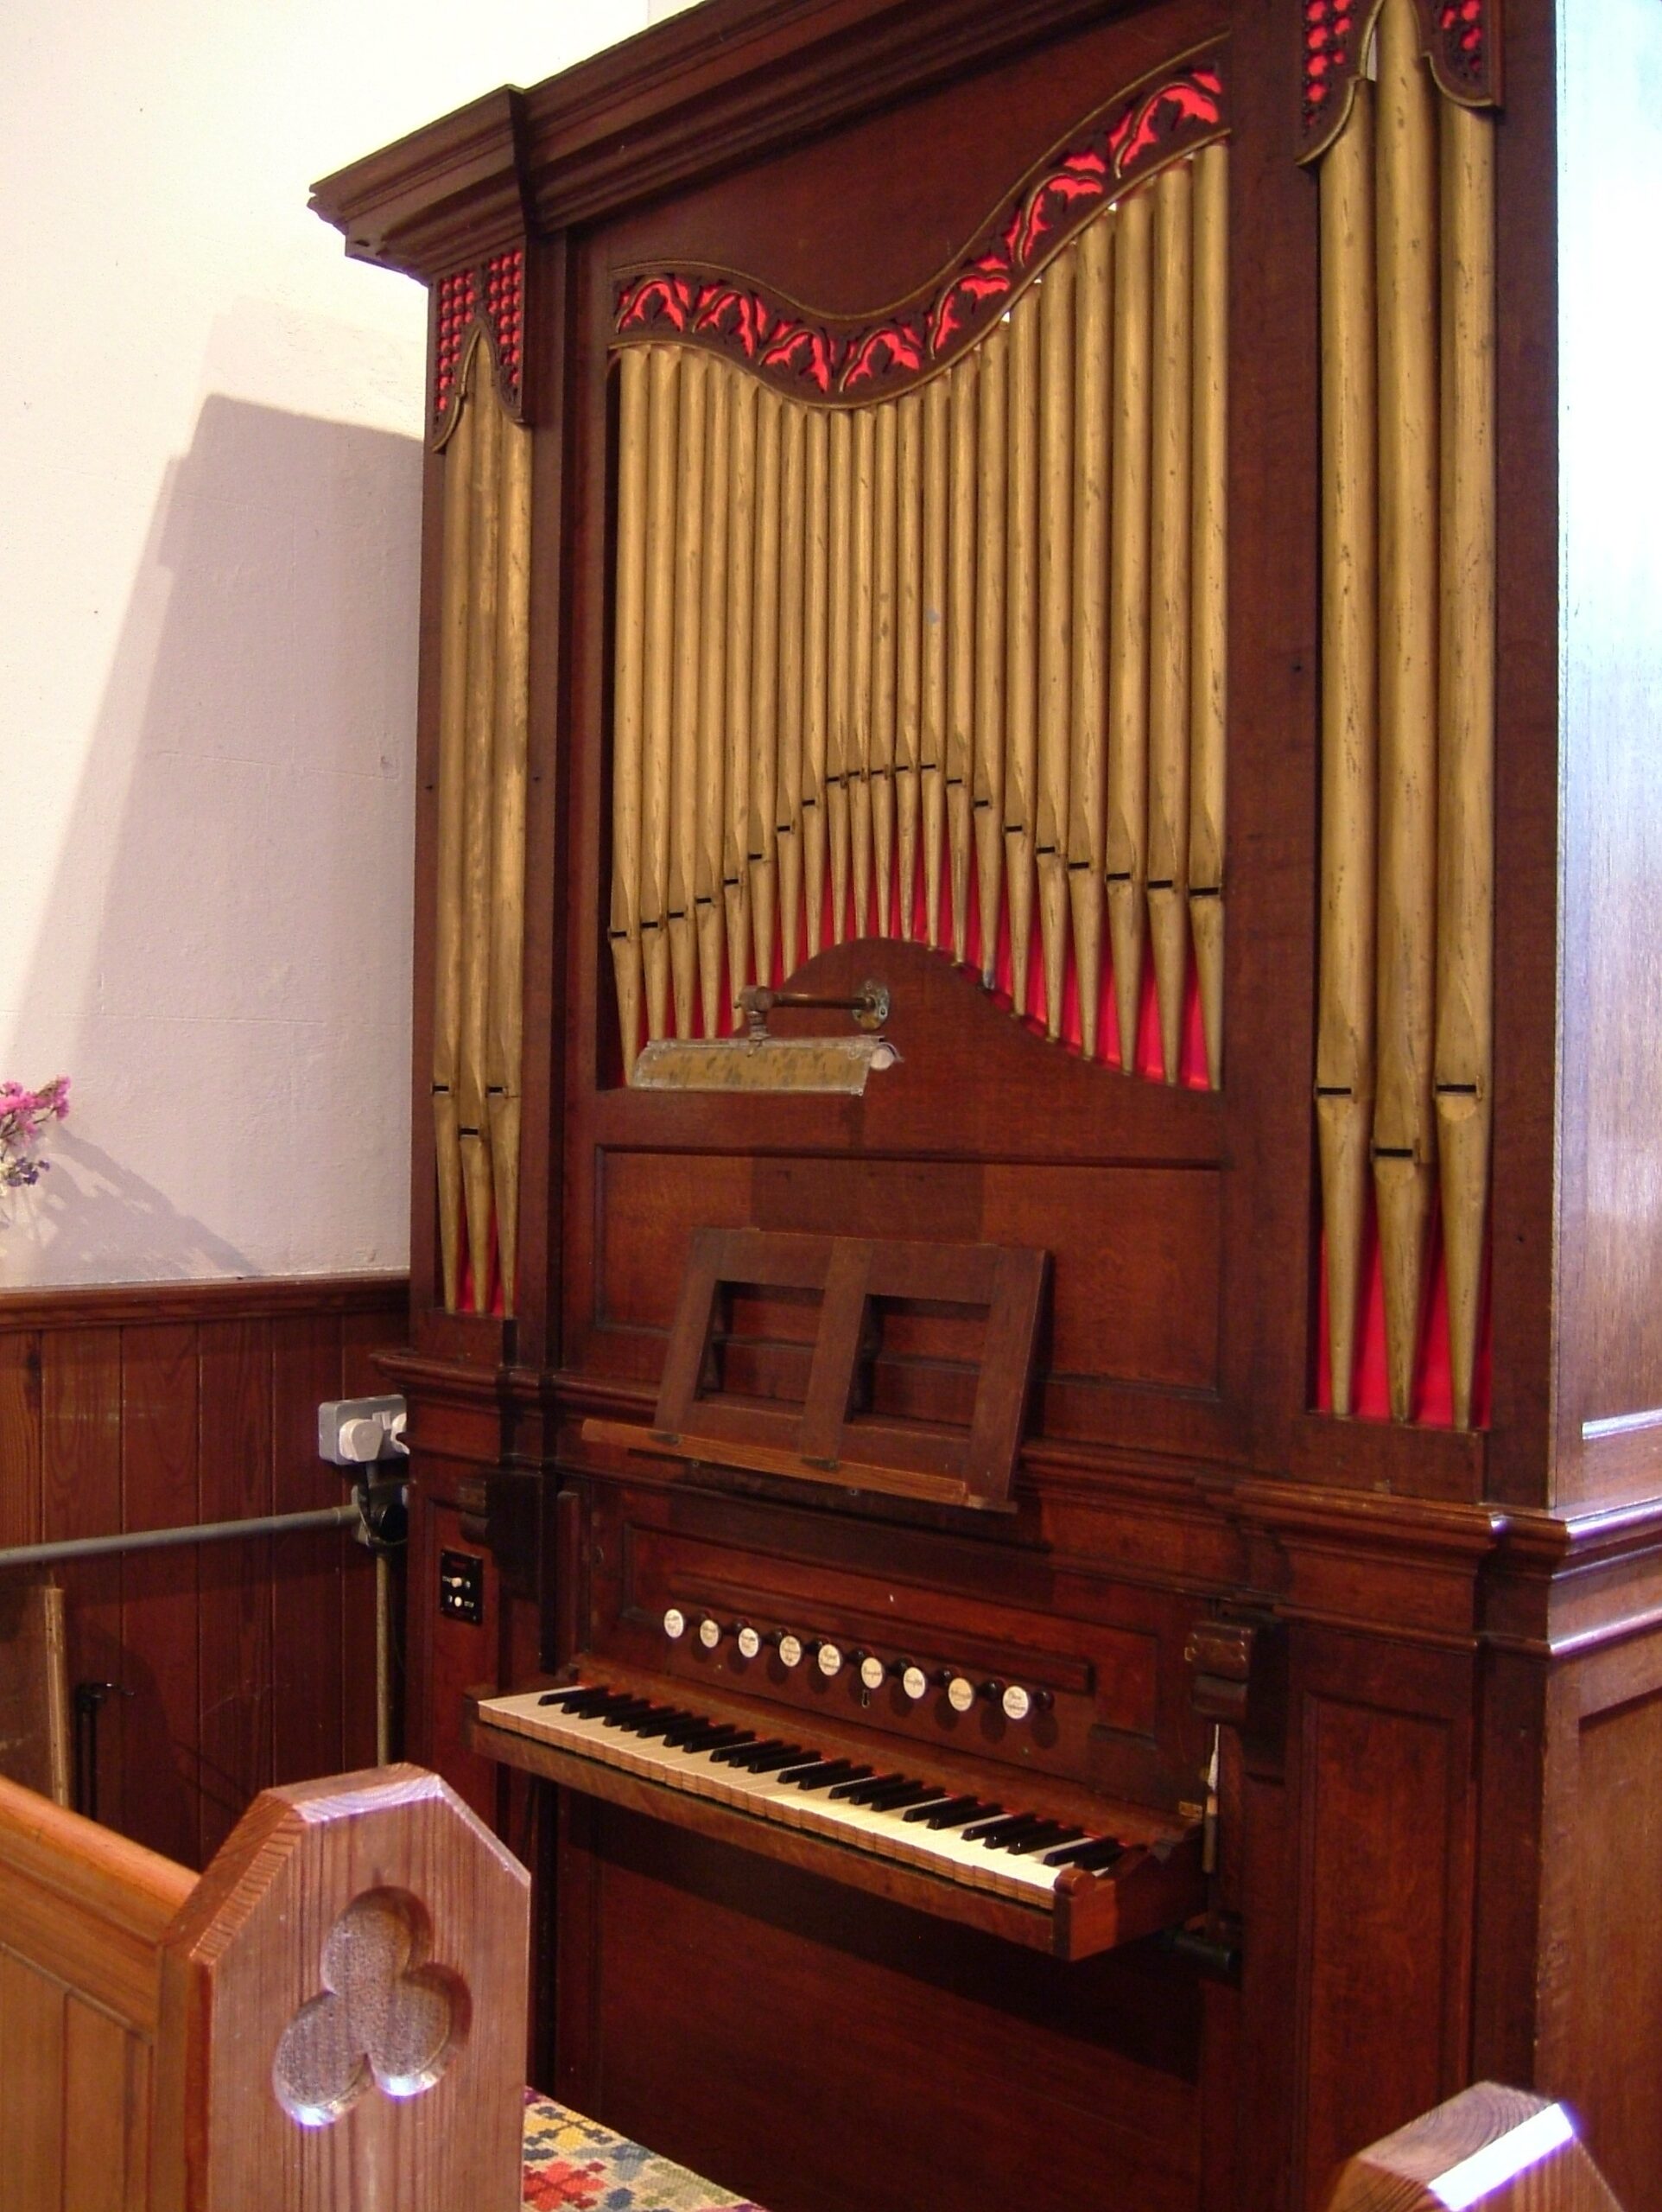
<point x="31" y="2065"/>
<point x="234" y="1620"/>
<point x="245" y="1662"/>
<point x="99" y="2174"/>
<point x="305" y="1575"/>
<point x="159" y="1595"/>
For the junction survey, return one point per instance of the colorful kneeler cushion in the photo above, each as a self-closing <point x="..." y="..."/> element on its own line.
<point x="571" y="2162"/>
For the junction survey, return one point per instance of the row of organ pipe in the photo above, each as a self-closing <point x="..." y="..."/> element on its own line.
<point x="963" y="644"/>
<point x="1405" y="1018"/>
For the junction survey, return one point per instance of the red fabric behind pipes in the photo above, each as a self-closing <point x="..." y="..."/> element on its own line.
<point x="1433" y="1379"/>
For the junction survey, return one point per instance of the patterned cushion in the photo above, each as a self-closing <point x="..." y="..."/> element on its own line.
<point x="573" y="2162"/>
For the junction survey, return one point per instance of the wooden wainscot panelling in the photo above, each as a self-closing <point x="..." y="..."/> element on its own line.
<point x="154" y="1405"/>
<point x="1380" y="1746"/>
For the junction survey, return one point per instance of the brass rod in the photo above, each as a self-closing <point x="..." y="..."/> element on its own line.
<point x="1171" y="410"/>
<point x="1088" y="692"/>
<point x="961" y="646"/>
<point x="504" y="1031"/>
<point x="988" y="788"/>
<point x="1208" y="590"/>
<point x="788" y="789"/>
<point x="741" y="535"/>
<point x="658" y="690"/>
<point x="816" y="560"/>
<point x="454" y="594"/>
<point x="1406" y="215"/>
<point x="764" y="688"/>
<point x="1125" y="841"/>
<point x="681" y="897"/>
<point x="840" y="738"/>
<point x="909" y="645"/>
<point x="1021" y="664"/>
<point x="884" y="587"/>
<point x="708" y="897"/>
<point x="478" y="779"/>
<point x="858" y="761"/>
<point x="932" y="746"/>
<point x="1465" y="1009"/>
<point x="1344" y="1039"/>
<point x="1056" y="464"/>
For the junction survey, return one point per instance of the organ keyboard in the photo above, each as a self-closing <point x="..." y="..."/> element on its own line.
<point x="1041" y="1861"/>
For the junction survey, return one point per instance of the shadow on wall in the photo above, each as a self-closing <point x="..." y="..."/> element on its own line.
<point x="222" y="960"/>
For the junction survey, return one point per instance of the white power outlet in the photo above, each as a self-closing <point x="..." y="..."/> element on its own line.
<point x="354" y="1431"/>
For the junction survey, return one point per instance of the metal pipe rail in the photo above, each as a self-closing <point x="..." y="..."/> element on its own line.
<point x="200" y="1532"/>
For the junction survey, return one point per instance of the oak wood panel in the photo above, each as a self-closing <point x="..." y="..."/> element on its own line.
<point x="142" y="1406"/>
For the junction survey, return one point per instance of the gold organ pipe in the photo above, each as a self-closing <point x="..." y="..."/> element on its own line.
<point x="988" y="789"/>
<point x="1021" y="607"/>
<point x="1344" y="1048"/>
<point x="1405" y="216"/>
<point x="504" y="1031"/>
<point x="708" y="898"/>
<point x="932" y="746"/>
<point x="627" y="704"/>
<point x="908" y="633"/>
<point x="1125" y="848"/>
<point x="816" y="555"/>
<point x="960" y="646"/>
<point x="1171" y="410"/>
<point x="840" y="738"/>
<point x="1054" y="658"/>
<point x="1208" y="590"/>
<point x="857" y="761"/>
<point x="764" y="691"/>
<point x="787" y="796"/>
<point x="1089" y="682"/>
<point x="1465" y="980"/>
<point x="454" y="594"/>
<point x="681" y="898"/>
<point x="884" y="586"/>
<point x="663" y="364"/>
<point x="478" y="774"/>
<point x="741" y="534"/>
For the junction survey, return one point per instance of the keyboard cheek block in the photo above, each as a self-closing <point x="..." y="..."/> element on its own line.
<point x="1070" y="1880"/>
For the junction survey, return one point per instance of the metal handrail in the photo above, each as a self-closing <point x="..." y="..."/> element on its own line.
<point x="200" y="1532"/>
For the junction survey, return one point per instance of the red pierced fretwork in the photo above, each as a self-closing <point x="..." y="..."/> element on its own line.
<point x="1461" y="40"/>
<point x="504" y="307"/>
<point x="1167" y="114"/>
<point x="489" y="298"/>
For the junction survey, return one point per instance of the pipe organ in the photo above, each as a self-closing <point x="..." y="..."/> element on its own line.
<point x="1077" y="1622"/>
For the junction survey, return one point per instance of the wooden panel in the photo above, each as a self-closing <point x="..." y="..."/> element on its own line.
<point x="31" y="2065"/>
<point x="160" y="1596"/>
<point x="1382" y="1847"/>
<point x="149" y="1407"/>
<point x="871" y="2011"/>
<point x="104" y="2130"/>
<point x="234" y="1631"/>
<point x="1139" y="1245"/>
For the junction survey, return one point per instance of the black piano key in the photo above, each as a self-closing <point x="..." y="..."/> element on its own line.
<point x="773" y="1762"/>
<point x="739" y="1754"/>
<point x="1045" y="1837"/>
<point x="895" y="1799"/>
<point x="579" y="1704"/>
<point x="956" y="1813"/>
<point x="694" y="1725"/>
<point x="664" y="1723"/>
<point x="823" y="1773"/>
<point x="1100" y="1851"/>
<point x="858" y="1791"/>
<point x="709" y="1738"/>
<point x="995" y="1833"/>
<point x="637" y="1709"/>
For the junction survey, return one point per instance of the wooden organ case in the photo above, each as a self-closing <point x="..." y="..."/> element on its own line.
<point x="1100" y="539"/>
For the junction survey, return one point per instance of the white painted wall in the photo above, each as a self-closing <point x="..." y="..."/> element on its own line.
<point x="210" y="462"/>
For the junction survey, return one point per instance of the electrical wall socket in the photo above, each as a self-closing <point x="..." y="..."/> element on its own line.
<point x="354" y="1431"/>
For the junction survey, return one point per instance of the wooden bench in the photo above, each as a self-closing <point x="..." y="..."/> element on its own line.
<point x="1488" y="2150"/>
<point x="332" y="2015"/>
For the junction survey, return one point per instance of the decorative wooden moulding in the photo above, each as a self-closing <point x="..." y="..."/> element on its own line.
<point x="483" y="303"/>
<point x="827" y="1438"/>
<point x="1461" y="40"/>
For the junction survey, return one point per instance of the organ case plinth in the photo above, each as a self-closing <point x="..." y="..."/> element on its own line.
<point x="972" y="500"/>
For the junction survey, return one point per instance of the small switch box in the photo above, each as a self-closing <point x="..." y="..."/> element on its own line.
<point x="461" y="1587"/>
